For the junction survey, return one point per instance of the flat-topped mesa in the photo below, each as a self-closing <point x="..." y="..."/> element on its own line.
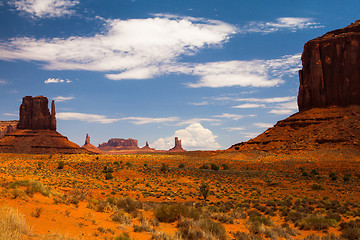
<point x="35" y="114"/>
<point x="331" y="70"/>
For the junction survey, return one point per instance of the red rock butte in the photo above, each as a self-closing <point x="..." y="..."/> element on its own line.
<point x="177" y="147"/>
<point x="328" y="99"/>
<point x="36" y="131"/>
<point x="88" y="146"/>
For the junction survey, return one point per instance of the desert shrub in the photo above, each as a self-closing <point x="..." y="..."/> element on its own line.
<point x="121" y="217"/>
<point x="181" y="165"/>
<point x="294" y="216"/>
<point x="31" y="187"/>
<point x="128" y="164"/>
<point x="214" y="167"/>
<point x="204" y="190"/>
<point x="12" y="224"/>
<point x="314" y="172"/>
<point x="37" y="212"/>
<point x="164" y="168"/>
<point x="61" y="165"/>
<point x="164" y="236"/>
<point x="327" y="237"/>
<point x="245" y="236"/>
<point x="332" y="176"/>
<point x="315" y="222"/>
<point x="108" y="176"/>
<point x="128" y="204"/>
<point x="223" y="218"/>
<point x="108" y="169"/>
<point x="347" y="177"/>
<point x="171" y="213"/>
<point x="123" y="236"/>
<point x="260" y="220"/>
<point x="316" y="187"/>
<point x="143" y="227"/>
<point x="204" y="167"/>
<point x="350" y="230"/>
<point x="335" y="216"/>
<point x="225" y="166"/>
<point x="204" y="228"/>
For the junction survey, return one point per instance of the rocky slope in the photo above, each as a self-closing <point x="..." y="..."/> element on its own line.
<point x="88" y="146"/>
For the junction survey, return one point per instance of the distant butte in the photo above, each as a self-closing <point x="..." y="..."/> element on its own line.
<point x="177" y="147"/>
<point x="328" y="99"/>
<point x="36" y="131"/>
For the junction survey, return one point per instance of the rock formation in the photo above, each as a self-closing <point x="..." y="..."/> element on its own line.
<point x="116" y="144"/>
<point x="36" y="133"/>
<point x="328" y="99"/>
<point x="177" y="147"/>
<point x="147" y="148"/>
<point x="7" y="127"/>
<point x="35" y="115"/>
<point x="331" y="72"/>
<point x="88" y="146"/>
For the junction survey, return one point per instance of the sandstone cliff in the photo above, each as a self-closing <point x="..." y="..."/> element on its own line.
<point x="36" y="133"/>
<point x="177" y="147"/>
<point x="88" y="146"/>
<point x="331" y="69"/>
<point x="116" y="144"/>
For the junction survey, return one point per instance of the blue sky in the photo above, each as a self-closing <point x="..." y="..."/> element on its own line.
<point x="213" y="73"/>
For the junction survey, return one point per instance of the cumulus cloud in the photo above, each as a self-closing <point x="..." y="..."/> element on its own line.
<point x="45" y="8"/>
<point x="129" y="49"/>
<point x="85" y="117"/>
<point x="284" y="23"/>
<point x="193" y="137"/>
<point x="253" y="73"/>
<point x="62" y="99"/>
<point x="56" y="80"/>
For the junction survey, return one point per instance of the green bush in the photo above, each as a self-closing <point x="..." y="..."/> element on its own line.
<point x="181" y="165"/>
<point x="225" y="166"/>
<point x="204" y="190"/>
<point x="214" y="167"/>
<point x="61" y="165"/>
<point x="123" y="236"/>
<point x="316" y="222"/>
<point x="171" y="213"/>
<point x="108" y="176"/>
<point x="204" y="167"/>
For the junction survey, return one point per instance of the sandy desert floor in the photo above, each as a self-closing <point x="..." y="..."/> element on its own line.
<point x="258" y="195"/>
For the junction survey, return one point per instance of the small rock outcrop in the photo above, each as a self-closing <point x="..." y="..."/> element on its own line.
<point x="331" y="72"/>
<point x="177" y="147"/>
<point x="7" y="127"/>
<point x="147" y="148"/>
<point x="35" y="114"/>
<point x="88" y="146"/>
<point x="36" y="131"/>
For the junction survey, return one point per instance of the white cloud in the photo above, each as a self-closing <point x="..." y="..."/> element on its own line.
<point x="263" y="125"/>
<point x="56" y="80"/>
<point x="200" y="103"/>
<point x="198" y="120"/>
<point x="146" y="120"/>
<point x="62" y="99"/>
<point x="45" y="8"/>
<point x="193" y="137"/>
<point x="267" y="100"/>
<point x="249" y="105"/>
<point x="229" y="115"/>
<point x="11" y="114"/>
<point x="284" y="23"/>
<point x="232" y="129"/>
<point x="85" y="117"/>
<point x="3" y="82"/>
<point x="129" y="49"/>
<point x="285" y="108"/>
<point x="253" y="73"/>
<point x="282" y="111"/>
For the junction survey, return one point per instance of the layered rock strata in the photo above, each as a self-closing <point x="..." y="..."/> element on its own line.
<point x="116" y="144"/>
<point x="7" y="127"/>
<point x="331" y="69"/>
<point x="36" y="133"/>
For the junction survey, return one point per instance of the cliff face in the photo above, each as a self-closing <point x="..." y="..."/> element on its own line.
<point x="7" y="127"/>
<point x="35" y="114"/>
<point x="119" y="144"/>
<point x="177" y="147"/>
<point x="331" y="69"/>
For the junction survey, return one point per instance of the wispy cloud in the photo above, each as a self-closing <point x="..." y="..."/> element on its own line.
<point x="284" y="23"/>
<point x="263" y="125"/>
<point x="229" y="115"/>
<point x="267" y="100"/>
<point x="85" y="117"/>
<point x="199" y="103"/>
<point x="45" y="8"/>
<point x="249" y="105"/>
<point x="11" y="114"/>
<point x="285" y="108"/>
<point x="232" y="129"/>
<point x="56" y="80"/>
<point x="253" y="73"/>
<point x="193" y="137"/>
<point x="62" y="99"/>
<point x="147" y="120"/>
<point x="3" y="82"/>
